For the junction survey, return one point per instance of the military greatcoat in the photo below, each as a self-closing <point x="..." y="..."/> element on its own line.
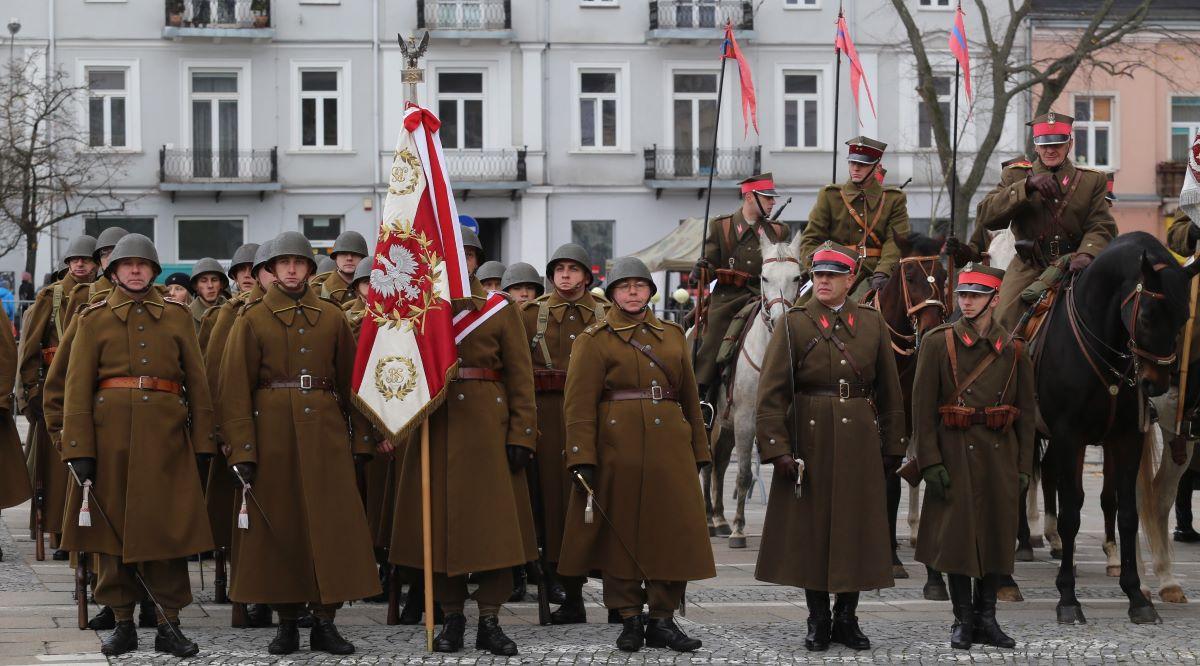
<point x="835" y="536"/>
<point x="15" y="487"/>
<point x="867" y="217"/>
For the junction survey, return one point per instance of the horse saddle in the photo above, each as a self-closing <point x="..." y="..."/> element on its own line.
<point x="731" y="340"/>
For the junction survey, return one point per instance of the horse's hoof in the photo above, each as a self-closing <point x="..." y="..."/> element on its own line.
<point x="1173" y="595"/>
<point x="737" y="542"/>
<point x="899" y="572"/>
<point x="1056" y="553"/>
<point x="1037" y="541"/>
<point x="1144" y="615"/>
<point x="1024" y="555"/>
<point x="1071" y="615"/>
<point x="935" y="591"/>
<point x="724" y="530"/>
<point x="1113" y="571"/>
<point x="1009" y="593"/>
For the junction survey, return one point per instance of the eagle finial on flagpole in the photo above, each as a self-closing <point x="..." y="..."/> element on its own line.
<point x="412" y="51"/>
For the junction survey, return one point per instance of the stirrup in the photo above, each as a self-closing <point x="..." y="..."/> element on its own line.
<point x="708" y="413"/>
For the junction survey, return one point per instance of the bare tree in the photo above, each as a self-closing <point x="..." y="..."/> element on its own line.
<point x="49" y="173"/>
<point x="1095" y="43"/>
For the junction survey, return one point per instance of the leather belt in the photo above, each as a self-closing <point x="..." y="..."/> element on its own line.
<point x="842" y="389"/>
<point x="547" y="381"/>
<point x="48" y="354"/>
<point x="303" y="382"/>
<point x="480" y="375"/>
<point x="872" y="252"/>
<point x="652" y="393"/>
<point x="142" y="384"/>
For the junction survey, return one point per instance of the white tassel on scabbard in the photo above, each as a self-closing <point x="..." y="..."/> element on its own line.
<point x="85" y="510"/>
<point x="243" y="513"/>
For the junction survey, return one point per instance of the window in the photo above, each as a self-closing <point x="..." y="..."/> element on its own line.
<point x="92" y="226"/>
<point x="801" y="4"/>
<point x="460" y="108"/>
<point x="941" y="86"/>
<point x="319" y="97"/>
<point x="107" y="96"/>
<point x="214" y="108"/>
<point x="598" y="3"/>
<point x="1093" y="131"/>
<point x="1185" y="122"/>
<point x="935" y="4"/>
<point x="216" y="238"/>
<point x="321" y="230"/>
<point x="694" y="114"/>
<point x="596" y="236"/>
<point x="598" y="109"/>
<point x="800" y="109"/>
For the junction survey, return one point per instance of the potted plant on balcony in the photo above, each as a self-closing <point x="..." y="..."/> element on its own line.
<point x="262" y="13"/>
<point x="175" y="13"/>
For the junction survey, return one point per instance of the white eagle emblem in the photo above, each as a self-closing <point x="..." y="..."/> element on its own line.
<point x="396" y="276"/>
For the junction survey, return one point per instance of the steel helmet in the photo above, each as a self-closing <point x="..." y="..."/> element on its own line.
<point x="471" y="239"/>
<point x="522" y="273"/>
<point x="80" y="246"/>
<point x="261" y="256"/>
<point x="209" y="265"/>
<point x="292" y="244"/>
<point x="363" y="272"/>
<point x="244" y="256"/>
<point x="351" y="242"/>
<point x="133" y="246"/>
<point x="490" y="270"/>
<point x="325" y="264"/>
<point x="571" y="252"/>
<point x="625" y="268"/>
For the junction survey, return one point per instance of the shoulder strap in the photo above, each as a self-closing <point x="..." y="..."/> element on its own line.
<point x="727" y="235"/>
<point x="975" y="374"/>
<point x="539" y="338"/>
<point x="645" y="349"/>
<point x="598" y="311"/>
<point x="952" y="352"/>
<point x="868" y="230"/>
<point x="1017" y="351"/>
<point x="56" y="306"/>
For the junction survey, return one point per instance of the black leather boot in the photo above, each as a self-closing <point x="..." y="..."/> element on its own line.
<point x="103" y="621"/>
<point x="987" y="631"/>
<point x="451" y="637"/>
<point x="324" y="637"/>
<point x="171" y="640"/>
<point x="287" y="638"/>
<point x="962" y="632"/>
<point x="123" y="639"/>
<point x="614" y="617"/>
<point x="571" y="612"/>
<point x="663" y="632"/>
<point x="520" y="585"/>
<point x="633" y="634"/>
<point x="60" y="556"/>
<point x="147" y="617"/>
<point x="491" y="637"/>
<point x="845" y="623"/>
<point x="819" y="621"/>
<point x="306" y="619"/>
<point x="258" y="616"/>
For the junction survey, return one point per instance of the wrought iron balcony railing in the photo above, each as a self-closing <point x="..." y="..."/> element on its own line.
<point x="690" y="14"/>
<point x="218" y="166"/>
<point x="694" y="163"/>
<point x="464" y="14"/>
<point x="222" y="14"/>
<point x="486" y="166"/>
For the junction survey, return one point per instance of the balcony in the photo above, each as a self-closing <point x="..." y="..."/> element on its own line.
<point x="489" y="170"/>
<point x="465" y="20"/>
<point x="218" y="20"/>
<point x="688" y="168"/>
<point x="1170" y="178"/>
<point x="691" y="20"/>
<point x="218" y="172"/>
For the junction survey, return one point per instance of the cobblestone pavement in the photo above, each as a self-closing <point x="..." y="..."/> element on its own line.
<point x="739" y="619"/>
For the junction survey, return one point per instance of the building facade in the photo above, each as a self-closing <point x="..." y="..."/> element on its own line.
<point x="584" y="120"/>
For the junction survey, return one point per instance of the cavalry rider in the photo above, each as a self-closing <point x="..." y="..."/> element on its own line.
<point x="862" y="214"/>
<point x="1055" y="208"/>
<point x="973" y="387"/>
<point x="733" y="251"/>
<point x="975" y="249"/>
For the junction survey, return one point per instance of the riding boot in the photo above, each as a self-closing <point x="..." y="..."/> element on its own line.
<point x="845" y="623"/>
<point x="1184" y="532"/>
<point x="123" y="639"/>
<point x="819" y="622"/>
<point x="520" y="587"/>
<point x="171" y="640"/>
<point x="492" y="638"/>
<point x="451" y="637"/>
<point x="324" y="637"/>
<point x="103" y="620"/>
<point x="987" y="630"/>
<point x="962" y="632"/>
<point x="287" y="638"/>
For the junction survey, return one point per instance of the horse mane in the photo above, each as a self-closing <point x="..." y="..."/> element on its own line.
<point x="923" y="245"/>
<point x="1121" y="261"/>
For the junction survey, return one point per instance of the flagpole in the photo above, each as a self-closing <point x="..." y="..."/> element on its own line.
<point x="708" y="206"/>
<point x="837" y="96"/>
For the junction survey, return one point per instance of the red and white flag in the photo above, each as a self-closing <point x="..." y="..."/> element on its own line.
<point x="406" y="350"/>
<point x="1189" y="197"/>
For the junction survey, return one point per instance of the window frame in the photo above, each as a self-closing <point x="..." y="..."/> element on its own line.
<point x="123" y="221"/>
<point x="599" y="4"/>
<point x="673" y="67"/>
<point x="242" y="68"/>
<point x="622" y="96"/>
<point x="800" y="5"/>
<point x="824" y="111"/>
<point x="1111" y="124"/>
<point x="320" y="245"/>
<point x="484" y="85"/>
<point x="934" y="7"/>
<point x="601" y="262"/>
<point x="133" y="96"/>
<point x="180" y="219"/>
<point x="949" y="100"/>
<point x="344" y="105"/>
<point x="1192" y="126"/>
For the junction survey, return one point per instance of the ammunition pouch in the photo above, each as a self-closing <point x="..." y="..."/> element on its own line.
<point x="999" y="418"/>
<point x="732" y="278"/>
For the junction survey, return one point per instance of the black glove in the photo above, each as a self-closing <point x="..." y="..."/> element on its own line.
<point x="962" y="252"/>
<point x="891" y="464"/>
<point x="786" y="466"/>
<point x="1193" y="236"/>
<point x="1044" y="184"/>
<point x="702" y="268"/>
<point x="588" y="472"/>
<point x="246" y="470"/>
<point x="518" y="457"/>
<point x="85" y="469"/>
<point x="1080" y="261"/>
<point x="878" y="280"/>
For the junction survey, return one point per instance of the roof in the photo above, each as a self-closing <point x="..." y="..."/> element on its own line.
<point x="1160" y="10"/>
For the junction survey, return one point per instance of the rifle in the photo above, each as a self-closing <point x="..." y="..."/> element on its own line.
<point x="39" y="521"/>
<point x="221" y="580"/>
<point x="81" y="590"/>
<point x="539" y="523"/>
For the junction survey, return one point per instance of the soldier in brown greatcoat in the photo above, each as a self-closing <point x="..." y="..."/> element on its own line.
<point x="14" y="482"/>
<point x="831" y="421"/>
<point x="96" y="290"/>
<point x="45" y="324"/>
<point x="348" y="250"/>
<point x="285" y="375"/>
<point x="209" y="283"/>
<point x="973" y="387"/>
<point x="481" y="439"/>
<point x="635" y="437"/>
<point x="136" y="418"/>
<point x="242" y="277"/>
<point x="522" y="282"/>
<point x="553" y="322"/>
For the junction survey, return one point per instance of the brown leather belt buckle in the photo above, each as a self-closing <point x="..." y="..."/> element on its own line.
<point x="656" y="393"/>
<point x="141" y="385"/>
<point x="306" y="382"/>
<point x="843" y="389"/>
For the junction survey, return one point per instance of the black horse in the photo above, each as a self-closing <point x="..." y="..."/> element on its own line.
<point x="1108" y="344"/>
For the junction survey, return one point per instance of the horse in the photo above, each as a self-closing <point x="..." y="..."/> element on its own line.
<point x="1112" y="336"/>
<point x="736" y="405"/>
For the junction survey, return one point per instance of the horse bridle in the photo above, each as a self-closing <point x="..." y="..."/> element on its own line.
<point x="765" y="310"/>
<point x="928" y="266"/>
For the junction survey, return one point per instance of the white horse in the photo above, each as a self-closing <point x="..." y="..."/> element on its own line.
<point x="780" y="284"/>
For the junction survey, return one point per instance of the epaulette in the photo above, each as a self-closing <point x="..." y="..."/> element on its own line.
<point x="78" y="287"/>
<point x="832" y="186"/>
<point x="595" y="326"/>
<point x="893" y="188"/>
<point x="1021" y="165"/>
<point x="168" y="299"/>
<point x="868" y="306"/>
<point x="329" y="299"/>
<point x="1079" y="167"/>
<point x="349" y="305"/>
<point x="674" y="324"/>
<point x="248" y="305"/>
<point x="94" y="306"/>
<point x="941" y="327"/>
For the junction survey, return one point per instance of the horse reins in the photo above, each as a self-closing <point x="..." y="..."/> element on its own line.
<point x="927" y="266"/>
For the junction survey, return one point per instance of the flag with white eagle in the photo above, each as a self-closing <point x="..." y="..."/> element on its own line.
<point x="406" y="350"/>
<point x="1189" y="198"/>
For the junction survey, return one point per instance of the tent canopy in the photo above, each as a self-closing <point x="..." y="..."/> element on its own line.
<point x="677" y="251"/>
